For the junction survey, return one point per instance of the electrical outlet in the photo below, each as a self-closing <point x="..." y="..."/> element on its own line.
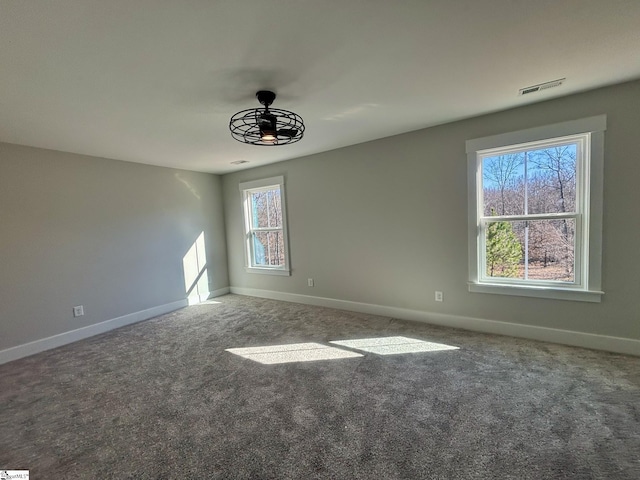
<point x="439" y="297"/>
<point x="310" y="282"/>
<point x="78" y="311"/>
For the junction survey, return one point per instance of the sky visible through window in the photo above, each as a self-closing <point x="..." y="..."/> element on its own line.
<point x="534" y="181"/>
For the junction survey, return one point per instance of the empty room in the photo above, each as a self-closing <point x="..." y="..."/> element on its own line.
<point x="278" y="239"/>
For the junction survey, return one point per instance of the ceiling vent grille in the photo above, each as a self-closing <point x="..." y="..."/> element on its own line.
<point x="541" y="86"/>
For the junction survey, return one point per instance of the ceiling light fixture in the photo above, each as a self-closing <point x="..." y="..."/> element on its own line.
<point x="266" y="126"/>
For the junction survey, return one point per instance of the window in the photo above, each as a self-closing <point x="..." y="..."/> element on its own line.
<point x="535" y="211"/>
<point x="265" y="226"/>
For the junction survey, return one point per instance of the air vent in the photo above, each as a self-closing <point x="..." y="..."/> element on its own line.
<point x="541" y="86"/>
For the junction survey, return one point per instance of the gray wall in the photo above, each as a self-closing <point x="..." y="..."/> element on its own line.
<point x="109" y="235"/>
<point x="385" y="222"/>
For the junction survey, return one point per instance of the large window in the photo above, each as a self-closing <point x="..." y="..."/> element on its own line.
<point x="535" y="211"/>
<point x="265" y="226"/>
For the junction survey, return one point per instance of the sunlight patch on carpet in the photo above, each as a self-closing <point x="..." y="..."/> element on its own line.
<point x="296" y="352"/>
<point x="393" y="345"/>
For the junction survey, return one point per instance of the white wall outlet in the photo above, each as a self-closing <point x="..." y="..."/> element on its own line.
<point x="439" y="297"/>
<point x="310" y="282"/>
<point x="78" y="311"/>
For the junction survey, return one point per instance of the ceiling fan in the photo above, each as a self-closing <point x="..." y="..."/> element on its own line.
<point x="266" y="126"/>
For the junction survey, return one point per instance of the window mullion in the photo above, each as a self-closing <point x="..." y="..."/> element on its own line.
<point x="525" y="218"/>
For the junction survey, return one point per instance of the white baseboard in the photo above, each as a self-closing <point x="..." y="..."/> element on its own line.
<point x="219" y="292"/>
<point x="566" y="337"/>
<point x="37" y="346"/>
<point x="201" y="297"/>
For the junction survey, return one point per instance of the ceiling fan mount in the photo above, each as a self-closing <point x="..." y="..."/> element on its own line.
<point x="265" y="97"/>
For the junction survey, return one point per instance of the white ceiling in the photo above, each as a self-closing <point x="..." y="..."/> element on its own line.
<point x="156" y="82"/>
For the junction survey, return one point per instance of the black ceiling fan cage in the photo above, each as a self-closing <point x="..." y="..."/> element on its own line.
<point x="266" y="126"/>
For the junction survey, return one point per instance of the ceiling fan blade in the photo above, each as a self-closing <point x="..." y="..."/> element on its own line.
<point x="288" y="132"/>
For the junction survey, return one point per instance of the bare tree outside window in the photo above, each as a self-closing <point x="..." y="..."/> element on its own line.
<point x="503" y="174"/>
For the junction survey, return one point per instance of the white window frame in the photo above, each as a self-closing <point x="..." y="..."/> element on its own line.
<point x="589" y="134"/>
<point x="246" y="188"/>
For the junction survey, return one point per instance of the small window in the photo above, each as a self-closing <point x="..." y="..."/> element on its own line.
<point x="266" y="245"/>
<point x="535" y="211"/>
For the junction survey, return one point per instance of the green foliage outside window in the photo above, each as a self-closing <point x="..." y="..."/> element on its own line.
<point x="504" y="252"/>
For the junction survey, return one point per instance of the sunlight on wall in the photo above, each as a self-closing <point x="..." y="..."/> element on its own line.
<point x="188" y="184"/>
<point x="393" y="345"/>
<point x="297" y="352"/>
<point x="196" y="277"/>
<point x="351" y="112"/>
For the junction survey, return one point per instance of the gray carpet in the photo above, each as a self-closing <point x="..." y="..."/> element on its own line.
<point x="163" y="399"/>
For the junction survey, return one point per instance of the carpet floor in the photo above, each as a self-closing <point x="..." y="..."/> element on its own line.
<point x="164" y="399"/>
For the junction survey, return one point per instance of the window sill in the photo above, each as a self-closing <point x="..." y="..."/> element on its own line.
<point x="268" y="271"/>
<point x="539" y="292"/>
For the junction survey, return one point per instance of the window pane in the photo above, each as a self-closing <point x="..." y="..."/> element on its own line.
<point x="551" y="179"/>
<point x="503" y="184"/>
<point x="549" y="174"/>
<point x="546" y="247"/>
<point x="266" y="209"/>
<point x="551" y="250"/>
<point x="268" y="249"/>
<point x="259" y="210"/>
<point x="260" y="250"/>
<point x="504" y="255"/>
<point x="275" y="208"/>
